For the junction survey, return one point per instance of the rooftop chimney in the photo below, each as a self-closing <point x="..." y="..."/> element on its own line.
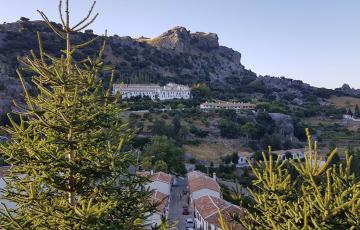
<point x="151" y="172"/>
<point x="214" y="176"/>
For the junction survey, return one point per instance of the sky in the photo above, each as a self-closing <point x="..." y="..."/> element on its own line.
<point x="317" y="42"/>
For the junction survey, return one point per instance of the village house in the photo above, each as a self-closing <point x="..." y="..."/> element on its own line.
<point x="201" y="185"/>
<point x="206" y="198"/>
<point x="237" y="106"/>
<point x="290" y="153"/>
<point x="243" y="161"/>
<point x="160" y="185"/>
<point x="207" y="210"/>
<point x="154" y="91"/>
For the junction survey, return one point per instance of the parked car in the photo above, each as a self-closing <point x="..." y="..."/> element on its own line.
<point x="189" y="224"/>
<point x="185" y="211"/>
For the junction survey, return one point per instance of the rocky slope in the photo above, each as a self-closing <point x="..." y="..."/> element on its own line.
<point x="176" y="55"/>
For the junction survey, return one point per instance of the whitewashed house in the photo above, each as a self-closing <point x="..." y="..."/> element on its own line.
<point x="162" y="209"/>
<point x="206" y="197"/>
<point x="207" y="213"/>
<point x="237" y="106"/>
<point x="202" y="185"/>
<point x="166" y="92"/>
<point x="160" y="185"/>
<point x="295" y="154"/>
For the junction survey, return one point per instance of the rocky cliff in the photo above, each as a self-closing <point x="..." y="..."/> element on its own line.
<point x="177" y="55"/>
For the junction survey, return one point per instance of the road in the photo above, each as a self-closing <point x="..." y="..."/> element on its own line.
<point x="178" y="200"/>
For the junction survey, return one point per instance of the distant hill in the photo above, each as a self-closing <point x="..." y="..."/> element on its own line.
<point x="175" y="56"/>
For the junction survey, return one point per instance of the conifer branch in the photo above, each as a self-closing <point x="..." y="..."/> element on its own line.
<point x="87" y="24"/>
<point x="27" y="96"/>
<point x="41" y="49"/>
<point x="61" y="14"/>
<point x="74" y="28"/>
<point x="47" y="21"/>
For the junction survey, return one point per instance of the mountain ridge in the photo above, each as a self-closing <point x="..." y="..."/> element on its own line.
<point x="176" y="55"/>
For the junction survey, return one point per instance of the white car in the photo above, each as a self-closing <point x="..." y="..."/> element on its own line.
<point x="189" y="224"/>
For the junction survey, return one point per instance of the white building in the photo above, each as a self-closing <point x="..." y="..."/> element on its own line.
<point x="237" y="106"/>
<point x="206" y="197"/>
<point x="166" y="92"/>
<point x="292" y="153"/>
<point x="161" y="182"/>
<point x="160" y="185"/>
<point x="349" y="117"/>
<point x="201" y="185"/>
<point x="243" y="161"/>
<point x="207" y="210"/>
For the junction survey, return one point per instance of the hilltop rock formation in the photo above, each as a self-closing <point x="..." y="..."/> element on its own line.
<point x="177" y="55"/>
<point x="182" y="40"/>
<point x="348" y="91"/>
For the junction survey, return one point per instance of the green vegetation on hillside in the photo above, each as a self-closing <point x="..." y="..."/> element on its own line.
<point x="162" y="154"/>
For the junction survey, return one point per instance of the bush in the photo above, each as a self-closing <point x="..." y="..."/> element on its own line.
<point x="198" y="132"/>
<point x="229" y="129"/>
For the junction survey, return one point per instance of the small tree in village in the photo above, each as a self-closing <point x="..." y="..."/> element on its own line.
<point x="69" y="169"/>
<point x="321" y="196"/>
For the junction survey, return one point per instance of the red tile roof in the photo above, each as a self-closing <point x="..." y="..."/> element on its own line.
<point x="209" y="207"/>
<point x="195" y="175"/>
<point x="198" y="181"/>
<point x="159" y="176"/>
<point x="162" y="200"/>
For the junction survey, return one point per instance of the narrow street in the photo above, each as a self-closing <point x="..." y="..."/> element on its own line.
<point x="178" y="200"/>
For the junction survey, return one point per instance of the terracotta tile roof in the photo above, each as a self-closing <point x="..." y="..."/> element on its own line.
<point x="162" y="200"/>
<point x="209" y="206"/>
<point x="198" y="181"/>
<point x="203" y="183"/>
<point x="195" y="175"/>
<point x="161" y="176"/>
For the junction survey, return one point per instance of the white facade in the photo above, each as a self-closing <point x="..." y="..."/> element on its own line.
<point x="167" y="92"/>
<point x="237" y="106"/>
<point x="154" y="220"/>
<point x="160" y="186"/>
<point x="203" y="192"/>
<point x="349" y="117"/>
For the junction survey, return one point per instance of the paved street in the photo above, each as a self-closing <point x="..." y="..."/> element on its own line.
<point x="178" y="200"/>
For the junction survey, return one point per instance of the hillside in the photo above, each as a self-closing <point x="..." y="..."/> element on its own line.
<point x="175" y="56"/>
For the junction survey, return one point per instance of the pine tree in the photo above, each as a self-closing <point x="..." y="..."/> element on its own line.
<point x="69" y="167"/>
<point x="321" y="196"/>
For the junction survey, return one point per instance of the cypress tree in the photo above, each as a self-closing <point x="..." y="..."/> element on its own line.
<point x="69" y="167"/>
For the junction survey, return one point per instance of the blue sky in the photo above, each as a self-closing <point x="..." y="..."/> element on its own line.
<point x="314" y="41"/>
